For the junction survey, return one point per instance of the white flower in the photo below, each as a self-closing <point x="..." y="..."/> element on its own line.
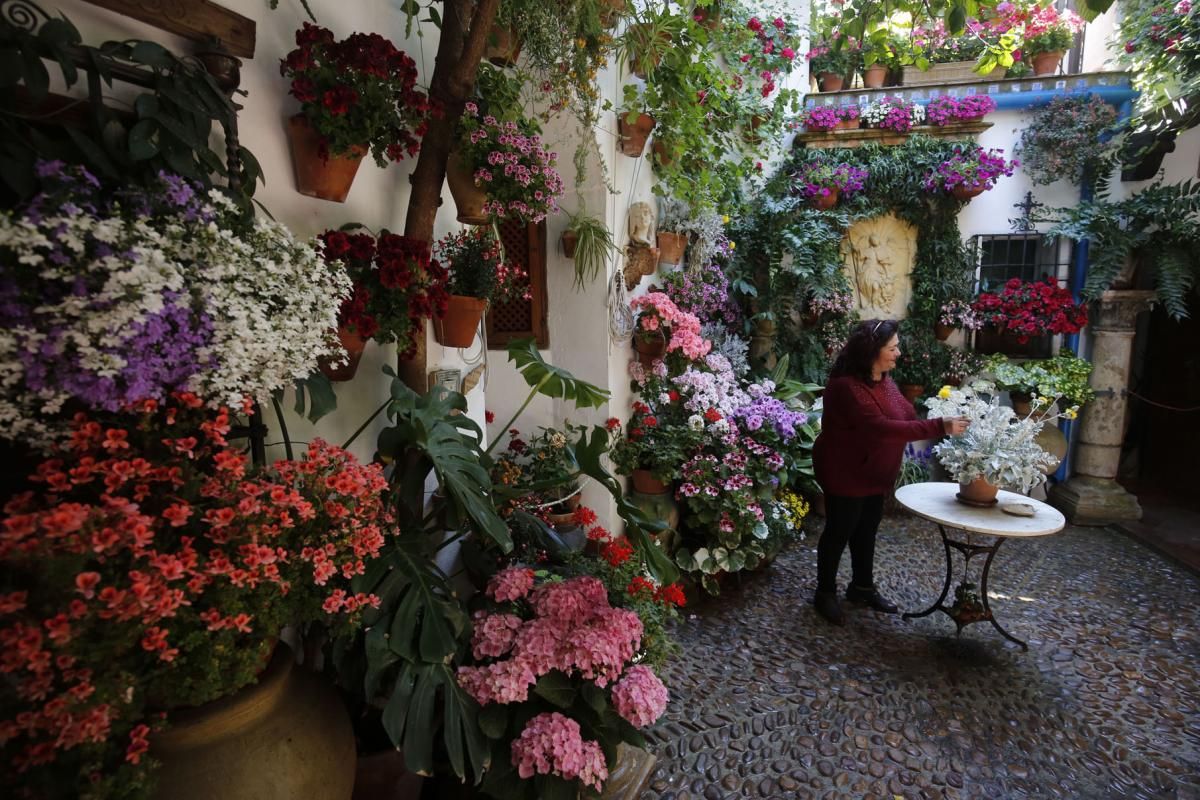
<point x="696" y="422"/>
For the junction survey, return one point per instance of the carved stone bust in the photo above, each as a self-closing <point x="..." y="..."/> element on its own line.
<point x="641" y="223"/>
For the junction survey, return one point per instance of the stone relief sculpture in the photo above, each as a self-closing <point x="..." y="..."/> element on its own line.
<point x="878" y="255"/>
<point x="641" y="257"/>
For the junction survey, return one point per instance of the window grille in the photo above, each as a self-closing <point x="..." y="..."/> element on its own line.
<point x="1029" y="257"/>
<point x="524" y="245"/>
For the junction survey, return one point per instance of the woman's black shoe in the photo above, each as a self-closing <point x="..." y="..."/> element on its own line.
<point x="828" y="607"/>
<point x="870" y="597"/>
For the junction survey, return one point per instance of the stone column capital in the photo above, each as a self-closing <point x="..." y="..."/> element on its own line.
<point x="1116" y="309"/>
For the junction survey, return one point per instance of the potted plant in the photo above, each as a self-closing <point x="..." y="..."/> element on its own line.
<point x="1029" y="310"/>
<point x="633" y="128"/>
<point x="1035" y="385"/>
<point x="477" y="275"/>
<point x="661" y="328"/>
<point x="673" y="216"/>
<point x="145" y="593"/>
<point x="956" y="314"/>
<point x="356" y="95"/>
<point x="541" y="473"/>
<point x="830" y="63"/>
<point x="396" y="287"/>
<point x="946" y="110"/>
<point x="1047" y="34"/>
<point x="588" y="241"/>
<point x="848" y="118"/>
<point x="823" y="183"/>
<point x="1065" y="139"/>
<point x="921" y="364"/>
<point x="500" y="169"/>
<point x="649" y="37"/>
<point x="894" y="114"/>
<point x="961" y="364"/>
<point x="651" y="450"/>
<point x="998" y="450"/>
<point x="969" y="172"/>
<point x="880" y="55"/>
<point x="821" y="118"/>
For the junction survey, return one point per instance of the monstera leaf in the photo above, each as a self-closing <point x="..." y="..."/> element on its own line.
<point x="553" y="381"/>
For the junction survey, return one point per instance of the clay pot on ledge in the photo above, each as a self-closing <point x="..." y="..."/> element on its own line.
<point x="287" y="735"/>
<point x="633" y="135"/>
<point x="874" y="76"/>
<point x="831" y="81"/>
<point x="1047" y="63"/>
<point x="824" y="202"/>
<point x="977" y="493"/>
<point x="354" y="345"/>
<point x="325" y="178"/>
<point x="671" y="247"/>
<point x="468" y="198"/>
<point x="966" y="192"/>
<point x="912" y="391"/>
<point x="848" y="124"/>
<point x="461" y="321"/>
<point x="645" y="483"/>
<point x="569" y="239"/>
<point x="649" y="349"/>
<point x="942" y="331"/>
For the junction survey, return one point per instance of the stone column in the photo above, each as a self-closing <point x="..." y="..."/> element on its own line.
<point x="1092" y="496"/>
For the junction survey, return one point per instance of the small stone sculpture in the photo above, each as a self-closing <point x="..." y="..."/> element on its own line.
<point x="641" y="224"/>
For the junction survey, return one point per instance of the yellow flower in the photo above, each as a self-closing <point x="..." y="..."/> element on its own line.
<point x="944" y="393"/>
<point x="733" y="245"/>
<point x="725" y="220"/>
<point x="1071" y="413"/>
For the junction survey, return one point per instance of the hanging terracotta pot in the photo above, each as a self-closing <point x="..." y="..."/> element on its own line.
<point x="649" y="349"/>
<point x="824" y="202"/>
<point x="661" y="154"/>
<point x="640" y="62"/>
<point x="874" y="76"/>
<point x="942" y="332"/>
<point x="611" y="12"/>
<point x="633" y="135"/>
<point x="569" y="239"/>
<point x="353" y="344"/>
<point x="503" y="46"/>
<point x="977" y="493"/>
<point x="966" y="192"/>
<point x="285" y="736"/>
<point x="1047" y="63"/>
<point x="709" y="17"/>
<point x="461" y="321"/>
<point x="912" y="391"/>
<point x="468" y="198"/>
<point x="645" y="483"/>
<point x="671" y="247"/>
<point x="328" y="179"/>
<point x="831" y="81"/>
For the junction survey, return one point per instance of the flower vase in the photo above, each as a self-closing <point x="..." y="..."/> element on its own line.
<point x="650" y="349"/>
<point x="287" y="735"/>
<point x="671" y="247"/>
<point x="966" y="192"/>
<point x="326" y="178"/>
<point x="569" y="240"/>
<point x="977" y="493"/>
<point x="468" y="198"/>
<point x="461" y="321"/>
<point x="633" y="135"/>
<point x="942" y="331"/>
<point x="824" y="202"/>
<point x="912" y="391"/>
<point x="1047" y="63"/>
<point x="645" y="483"/>
<point x="354" y="345"/>
<point x="831" y="81"/>
<point x="874" y="76"/>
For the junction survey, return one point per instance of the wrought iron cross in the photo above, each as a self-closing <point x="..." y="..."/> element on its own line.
<point x="1025" y="222"/>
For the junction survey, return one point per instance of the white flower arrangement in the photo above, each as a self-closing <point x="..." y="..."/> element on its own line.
<point x="998" y="446"/>
<point x="893" y="113"/>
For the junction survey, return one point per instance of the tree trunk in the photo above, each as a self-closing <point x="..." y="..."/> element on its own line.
<point x="460" y="49"/>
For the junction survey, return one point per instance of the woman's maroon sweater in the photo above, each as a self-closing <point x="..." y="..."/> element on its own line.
<point x="864" y="428"/>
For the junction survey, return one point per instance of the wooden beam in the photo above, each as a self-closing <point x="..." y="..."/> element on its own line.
<point x="196" y="20"/>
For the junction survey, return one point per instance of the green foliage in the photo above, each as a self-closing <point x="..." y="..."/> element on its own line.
<point x="1162" y="54"/>
<point x="1065" y="139"/>
<point x="923" y="359"/>
<point x="1063" y="376"/>
<point x="593" y="247"/>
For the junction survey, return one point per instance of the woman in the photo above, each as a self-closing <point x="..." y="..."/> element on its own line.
<point x="864" y="428"/>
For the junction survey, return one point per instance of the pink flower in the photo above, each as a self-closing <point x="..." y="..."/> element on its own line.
<point x="640" y="696"/>
<point x="552" y="744"/>
<point x="754" y="24"/>
<point x="494" y="634"/>
<point x="788" y="53"/>
<point x="779" y="23"/>
<point x="512" y="583"/>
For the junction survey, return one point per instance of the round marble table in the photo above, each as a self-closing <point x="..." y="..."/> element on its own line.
<point x="936" y="503"/>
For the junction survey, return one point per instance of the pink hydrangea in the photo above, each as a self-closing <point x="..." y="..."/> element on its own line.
<point x="640" y="696"/>
<point x="600" y="649"/>
<point x="552" y="744"/>
<point x="512" y="583"/>
<point x="538" y="644"/>
<point x="572" y="601"/>
<point x="505" y="681"/>
<point x="494" y="634"/>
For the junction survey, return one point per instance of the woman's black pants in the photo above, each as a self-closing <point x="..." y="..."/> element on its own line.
<point x="852" y="520"/>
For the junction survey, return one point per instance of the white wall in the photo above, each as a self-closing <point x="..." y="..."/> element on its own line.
<point x="379" y="198"/>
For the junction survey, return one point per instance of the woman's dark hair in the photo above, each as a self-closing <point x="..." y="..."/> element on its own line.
<point x="862" y="348"/>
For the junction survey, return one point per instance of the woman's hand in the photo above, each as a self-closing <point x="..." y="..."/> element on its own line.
<point x="955" y="426"/>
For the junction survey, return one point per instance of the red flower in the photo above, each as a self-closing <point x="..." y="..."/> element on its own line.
<point x="339" y="99"/>
<point x="651" y="422"/>
<point x="640" y="585"/>
<point x="489" y="417"/>
<point x="712" y="415"/>
<point x="617" y="552"/>
<point x="673" y="396"/>
<point x="671" y="595"/>
<point x="584" y="517"/>
<point x="612" y="423"/>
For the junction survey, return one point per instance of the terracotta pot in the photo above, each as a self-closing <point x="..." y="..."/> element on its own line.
<point x="285" y="736"/>
<point x="458" y="327"/>
<point x="671" y="247"/>
<point x="709" y="17"/>
<point x="1022" y="403"/>
<point x="977" y="493"/>
<point x="328" y="179"/>
<point x="645" y="483"/>
<point x="942" y="332"/>
<point x="632" y="135"/>
<point x="611" y="12"/>
<point x="966" y="193"/>
<point x="649" y="349"/>
<point x="848" y="124"/>
<point x="874" y="76"/>
<point x="991" y="340"/>
<point x="912" y="391"/>
<point x="569" y="240"/>
<point x="824" y="202"/>
<point x="831" y="81"/>
<point x="640" y="63"/>
<point x="468" y="198"/>
<point x="1047" y="63"/>
<point x="353" y="344"/>
<point x="661" y="156"/>
<point x="503" y="46"/>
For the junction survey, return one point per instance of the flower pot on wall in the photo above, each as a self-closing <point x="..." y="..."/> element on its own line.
<point x="569" y="240"/>
<point x="468" y="198"/>
<point x="874" y="76"/>
<point x="633" y="135"/>
<point x="671" y="247"/>
<point x="966" y="192"/>
<point x="503" y="46"/>
<point x="661" y="156"/>
<point x="831" y="81"/>
<point x="977" y="493"/>
<point x="353" y="344"/>
<point x="458" y="327"/>
<point x="649" y="349"/>
<point x="824" y="202"/>
<point x="1047" y="63"/>
<point x="848" y="124"/>
<point x="328" y="179"/>
<point x="285" y="736"/>
<point x="942" y="332"/>
<point x="645" y="483"/>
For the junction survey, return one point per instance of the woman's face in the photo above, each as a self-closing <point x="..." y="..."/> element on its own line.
<point x="886" y="360"/>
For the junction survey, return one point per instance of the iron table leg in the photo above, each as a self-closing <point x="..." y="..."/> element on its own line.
<point x="983" y="591"/>
<point x="945" y="586"/>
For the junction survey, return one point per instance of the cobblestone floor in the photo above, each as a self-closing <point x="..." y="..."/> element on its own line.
<point x="769" y="701"/>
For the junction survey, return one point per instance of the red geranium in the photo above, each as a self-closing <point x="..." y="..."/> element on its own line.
<point x="1032" y="309"/>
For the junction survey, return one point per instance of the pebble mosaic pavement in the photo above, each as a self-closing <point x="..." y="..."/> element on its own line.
<point x="769" y="701"/>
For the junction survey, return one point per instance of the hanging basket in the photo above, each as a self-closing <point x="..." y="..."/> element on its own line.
<point x="569" y="239"/>
<point x="458" y="326"/>
<point x="353" y="344"/>
<point x="633" y="135"/>
<point x="671" y="247"/>
<point x="327" y="179"/>
<point x="468" y="198"/>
